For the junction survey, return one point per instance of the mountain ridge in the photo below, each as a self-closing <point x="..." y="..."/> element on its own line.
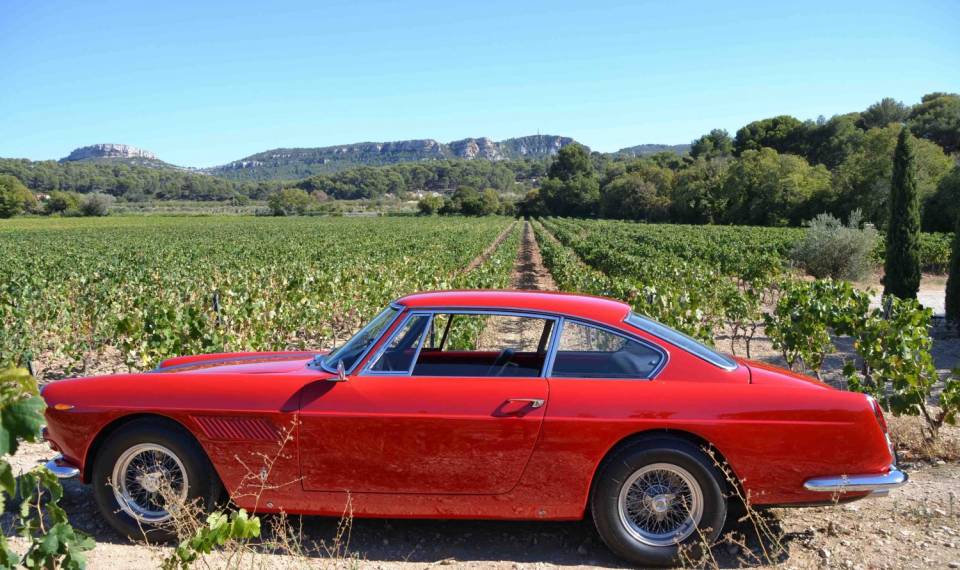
<point x="288" y="163"/>
<point x="307" y="161"/>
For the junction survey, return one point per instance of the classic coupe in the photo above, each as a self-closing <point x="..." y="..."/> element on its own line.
<point x="481" y="405"/>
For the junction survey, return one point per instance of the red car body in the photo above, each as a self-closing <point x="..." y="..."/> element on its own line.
<point x="282" y="436"/>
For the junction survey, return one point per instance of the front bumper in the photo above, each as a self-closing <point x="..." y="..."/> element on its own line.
<point x="63" y="470"/>
<point x="874" y="484"/>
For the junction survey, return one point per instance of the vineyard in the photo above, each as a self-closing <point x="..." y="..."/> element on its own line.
<point x="736" y="283"/>
<point x="151" y="288"/>
<point x="144" y="289"/>
<point x="82" y="296"/>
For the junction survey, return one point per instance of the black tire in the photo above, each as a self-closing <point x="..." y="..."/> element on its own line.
<point x="621" y="465"/>
<point x="203" y="485"/>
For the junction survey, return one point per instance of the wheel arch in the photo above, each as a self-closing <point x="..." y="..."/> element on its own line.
<point x="729" y="474"/>
<point x="118" y="423"/>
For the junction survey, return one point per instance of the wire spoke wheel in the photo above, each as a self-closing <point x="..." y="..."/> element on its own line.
<point x="145" y="477"/>
<point x="661" y="504"/>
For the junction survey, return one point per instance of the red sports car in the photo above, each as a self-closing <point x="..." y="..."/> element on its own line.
<point x="476" y="404"/>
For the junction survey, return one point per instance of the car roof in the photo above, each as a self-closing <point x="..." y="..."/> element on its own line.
<point x="568" y="304"/>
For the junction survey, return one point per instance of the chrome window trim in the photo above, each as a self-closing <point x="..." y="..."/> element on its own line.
<point x="728" y="367"/>
<point x="552" y="349"/>
<point x="664" y="353"/>
<point x="318" y="361"/>
<point x="365" y="371"/>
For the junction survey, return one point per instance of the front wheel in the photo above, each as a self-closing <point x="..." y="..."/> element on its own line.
<point x="144" y="473"/>
<point x="659" y="501"/>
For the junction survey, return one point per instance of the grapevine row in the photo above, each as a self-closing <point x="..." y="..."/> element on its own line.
<point x="736" y="281"/>
<point x="151" y="288"/>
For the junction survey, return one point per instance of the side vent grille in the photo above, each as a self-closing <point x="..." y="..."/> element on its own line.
<point x="249" y="429"/>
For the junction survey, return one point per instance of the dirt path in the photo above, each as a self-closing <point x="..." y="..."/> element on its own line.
<point x="529" y="271"/>
<point x="932" y="293"/>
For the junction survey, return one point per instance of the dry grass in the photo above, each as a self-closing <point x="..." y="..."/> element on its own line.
<point x="759" y="540"/>
<point x="282" y="542"/>
<point x="908" y="435"/>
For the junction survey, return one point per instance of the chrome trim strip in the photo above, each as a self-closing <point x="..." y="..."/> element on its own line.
<point x="532" y="402"/>
<point x="423" y="341"/>
<point x="61" y="470"/>
<point x="728" y="367"/>
<point x="856" y="483"/>
<point x="552" y="349"/>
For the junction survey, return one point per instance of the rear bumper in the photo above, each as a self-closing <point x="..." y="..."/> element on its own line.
<point x="874" y="484"/>
<point x="63" y="470"/>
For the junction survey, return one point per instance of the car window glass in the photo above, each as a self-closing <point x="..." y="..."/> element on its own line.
<point x="399" y="354"/>
<point x="358" y="345"/>
<point x="484" y="345"/>
<point x="685" y="342"/>
<point x="585" y="351"/>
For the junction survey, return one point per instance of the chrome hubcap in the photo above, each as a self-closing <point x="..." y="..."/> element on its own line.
<point x="661" y="504"/>
<point x="145" y="477"/>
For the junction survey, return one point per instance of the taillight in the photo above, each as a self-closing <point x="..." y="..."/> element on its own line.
<point x="878" y="413"/>
<point x="882" y="422"/>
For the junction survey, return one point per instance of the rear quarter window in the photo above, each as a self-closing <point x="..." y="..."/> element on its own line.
<point x="681" y="340"/>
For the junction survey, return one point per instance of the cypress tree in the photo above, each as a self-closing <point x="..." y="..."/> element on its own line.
<point x="902" y="266"/>
<point x="953" y="281"/>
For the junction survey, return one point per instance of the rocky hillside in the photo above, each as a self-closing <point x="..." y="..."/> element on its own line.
<point x="122" y="153"/>
<point x="299" y="163"/>
<point x="293" y="163"/>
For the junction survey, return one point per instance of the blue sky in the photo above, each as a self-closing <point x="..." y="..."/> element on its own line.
<point x="204" y="83"/>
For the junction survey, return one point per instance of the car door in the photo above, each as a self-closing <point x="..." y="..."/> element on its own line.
<point x="436" y="410"/>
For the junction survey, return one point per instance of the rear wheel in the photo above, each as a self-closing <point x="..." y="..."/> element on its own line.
<point x="659" y="501"/>
<point x="145" y="472"/>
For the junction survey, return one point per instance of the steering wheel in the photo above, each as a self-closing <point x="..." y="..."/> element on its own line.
<point x="501" y="363"/>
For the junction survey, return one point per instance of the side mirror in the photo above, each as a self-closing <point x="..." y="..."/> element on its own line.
<point x="341" y="373"/>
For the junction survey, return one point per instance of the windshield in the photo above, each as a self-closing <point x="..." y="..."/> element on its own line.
<point x="360" y="343"/>
<point x="685" y="342"/>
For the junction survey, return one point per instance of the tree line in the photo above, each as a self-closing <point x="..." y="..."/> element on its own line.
<point x="776" y="171"/>
<point x="132" y="183"/>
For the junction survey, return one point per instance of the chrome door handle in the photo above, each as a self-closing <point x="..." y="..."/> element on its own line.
<point x="534" y="402"/>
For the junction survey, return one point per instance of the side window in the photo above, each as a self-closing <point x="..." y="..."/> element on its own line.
<point x="399" y="354"/>
<point x="586" y="351"/>
<point x="484" y="345"/>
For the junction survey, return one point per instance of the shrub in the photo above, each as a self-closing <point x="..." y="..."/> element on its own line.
<point x="807" y="314"/>
<point x="96" y="204"/>
<point x="896" y="366"/>
<point x="289" y="201"/>
<point x="65" y="203"/>
<point x="15" y="198"/>
<point x="831" y="249"/>
<point x="40" y="520"/>
<point x="430" y="205"/>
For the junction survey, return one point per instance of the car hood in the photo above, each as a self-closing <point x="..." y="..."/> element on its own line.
<point x="239" y="363"/>
<point x="768" y="374"/>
